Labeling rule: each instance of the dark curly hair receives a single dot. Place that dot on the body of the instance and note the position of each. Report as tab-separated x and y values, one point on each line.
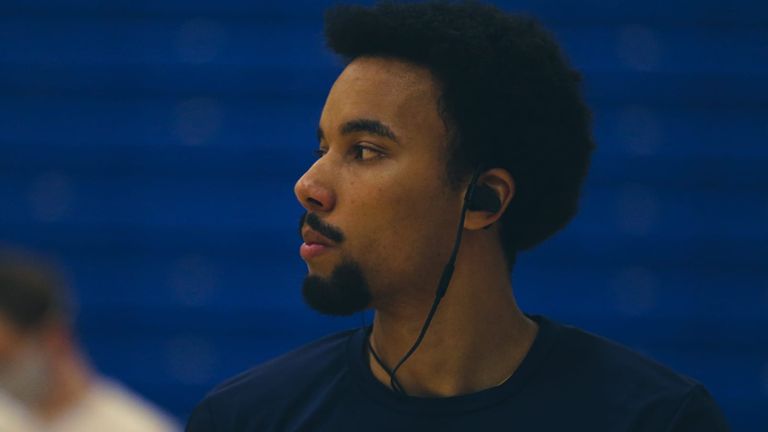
508	98
32	291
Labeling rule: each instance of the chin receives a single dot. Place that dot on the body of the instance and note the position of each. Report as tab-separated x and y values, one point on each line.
321	270
343	292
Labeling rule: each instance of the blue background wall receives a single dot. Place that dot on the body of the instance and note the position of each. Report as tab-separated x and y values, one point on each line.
152	148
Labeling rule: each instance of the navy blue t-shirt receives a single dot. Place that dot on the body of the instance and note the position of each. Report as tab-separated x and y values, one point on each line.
570	380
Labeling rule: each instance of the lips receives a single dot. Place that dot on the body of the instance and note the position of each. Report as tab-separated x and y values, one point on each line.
315	244
313	237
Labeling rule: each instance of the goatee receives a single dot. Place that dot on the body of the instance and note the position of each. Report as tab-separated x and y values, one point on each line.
343	293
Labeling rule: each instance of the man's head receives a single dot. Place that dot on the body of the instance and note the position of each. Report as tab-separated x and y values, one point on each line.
33	314
430	92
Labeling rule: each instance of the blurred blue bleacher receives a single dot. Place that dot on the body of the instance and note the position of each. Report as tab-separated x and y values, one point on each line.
152	148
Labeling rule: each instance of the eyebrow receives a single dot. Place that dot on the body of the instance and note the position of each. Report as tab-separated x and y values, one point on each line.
374	127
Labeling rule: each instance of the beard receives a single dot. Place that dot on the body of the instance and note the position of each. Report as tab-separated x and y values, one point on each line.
343	293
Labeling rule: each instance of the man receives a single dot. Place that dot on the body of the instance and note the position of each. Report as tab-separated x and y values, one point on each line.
446	117
46	385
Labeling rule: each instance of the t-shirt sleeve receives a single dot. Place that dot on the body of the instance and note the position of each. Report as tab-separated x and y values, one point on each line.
201	419
699	413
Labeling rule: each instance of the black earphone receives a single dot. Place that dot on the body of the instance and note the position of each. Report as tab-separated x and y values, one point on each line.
477	197
484	199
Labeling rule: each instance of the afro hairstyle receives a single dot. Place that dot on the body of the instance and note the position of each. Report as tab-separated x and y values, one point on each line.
508	97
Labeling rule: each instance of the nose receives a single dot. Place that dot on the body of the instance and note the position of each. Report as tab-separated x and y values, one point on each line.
313	193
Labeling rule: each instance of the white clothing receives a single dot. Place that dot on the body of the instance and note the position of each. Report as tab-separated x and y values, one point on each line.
107	406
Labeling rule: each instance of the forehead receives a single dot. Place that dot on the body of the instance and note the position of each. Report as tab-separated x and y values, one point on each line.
400	94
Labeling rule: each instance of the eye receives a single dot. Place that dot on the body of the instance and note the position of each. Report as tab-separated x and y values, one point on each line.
365	154
319	153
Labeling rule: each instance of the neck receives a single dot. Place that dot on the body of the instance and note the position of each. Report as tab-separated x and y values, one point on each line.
70	382
478	336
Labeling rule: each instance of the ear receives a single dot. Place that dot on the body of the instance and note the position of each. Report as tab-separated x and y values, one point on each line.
500	181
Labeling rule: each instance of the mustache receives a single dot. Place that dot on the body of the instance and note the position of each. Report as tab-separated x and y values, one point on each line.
314	222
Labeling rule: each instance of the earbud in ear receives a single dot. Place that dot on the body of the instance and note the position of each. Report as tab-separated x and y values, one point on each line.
484	198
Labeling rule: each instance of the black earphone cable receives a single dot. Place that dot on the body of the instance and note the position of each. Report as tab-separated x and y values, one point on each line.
442	287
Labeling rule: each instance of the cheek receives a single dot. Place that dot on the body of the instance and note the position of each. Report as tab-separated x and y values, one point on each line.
10	343
400	226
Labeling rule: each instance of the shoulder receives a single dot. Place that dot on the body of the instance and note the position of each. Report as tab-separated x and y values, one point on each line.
268	386
604	360
294	367
111	406
603	373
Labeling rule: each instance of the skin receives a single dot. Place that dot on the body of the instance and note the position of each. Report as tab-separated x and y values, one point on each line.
399	215
70	374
